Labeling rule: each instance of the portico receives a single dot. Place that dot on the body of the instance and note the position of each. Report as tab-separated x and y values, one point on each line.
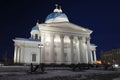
65	48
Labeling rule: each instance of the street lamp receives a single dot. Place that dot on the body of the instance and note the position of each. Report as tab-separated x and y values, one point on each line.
40	46
41	64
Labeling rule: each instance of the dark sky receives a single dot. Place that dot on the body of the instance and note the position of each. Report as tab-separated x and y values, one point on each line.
17	17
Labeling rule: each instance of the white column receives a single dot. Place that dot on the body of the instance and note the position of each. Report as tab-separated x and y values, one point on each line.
94	56
91	55
84	52
71	50
22	54
52	48
79	51
42	49
62	48
15	54
18	54
89	51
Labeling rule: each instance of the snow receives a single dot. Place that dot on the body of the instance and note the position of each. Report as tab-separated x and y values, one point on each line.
21	73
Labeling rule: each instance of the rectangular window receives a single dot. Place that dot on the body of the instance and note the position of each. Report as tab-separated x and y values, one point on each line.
36	36
33	57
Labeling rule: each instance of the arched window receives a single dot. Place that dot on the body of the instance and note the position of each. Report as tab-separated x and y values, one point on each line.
36	36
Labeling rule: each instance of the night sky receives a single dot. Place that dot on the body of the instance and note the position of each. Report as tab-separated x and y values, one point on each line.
17	17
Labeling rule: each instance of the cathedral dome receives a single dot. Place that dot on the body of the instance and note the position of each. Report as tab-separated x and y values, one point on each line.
56	16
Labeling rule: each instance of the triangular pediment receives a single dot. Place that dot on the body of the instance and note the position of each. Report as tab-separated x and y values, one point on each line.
65	27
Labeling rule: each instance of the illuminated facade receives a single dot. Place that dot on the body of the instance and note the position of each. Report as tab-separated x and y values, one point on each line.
56	41
111	57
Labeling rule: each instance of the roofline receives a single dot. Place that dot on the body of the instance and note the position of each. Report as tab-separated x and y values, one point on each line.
25	39
89	31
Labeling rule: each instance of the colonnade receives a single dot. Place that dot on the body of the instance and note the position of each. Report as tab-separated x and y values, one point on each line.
84	55
17	52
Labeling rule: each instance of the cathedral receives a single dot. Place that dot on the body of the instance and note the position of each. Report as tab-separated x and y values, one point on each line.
57	41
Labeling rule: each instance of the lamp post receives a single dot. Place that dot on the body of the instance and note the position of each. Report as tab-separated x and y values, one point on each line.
40	46
41	64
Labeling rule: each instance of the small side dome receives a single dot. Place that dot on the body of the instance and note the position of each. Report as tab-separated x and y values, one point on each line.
36	27
35	34
56	16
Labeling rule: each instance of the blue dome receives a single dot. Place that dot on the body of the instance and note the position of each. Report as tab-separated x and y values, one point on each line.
35	28
56	17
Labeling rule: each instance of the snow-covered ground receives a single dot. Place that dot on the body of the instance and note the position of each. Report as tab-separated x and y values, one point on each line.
22	73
